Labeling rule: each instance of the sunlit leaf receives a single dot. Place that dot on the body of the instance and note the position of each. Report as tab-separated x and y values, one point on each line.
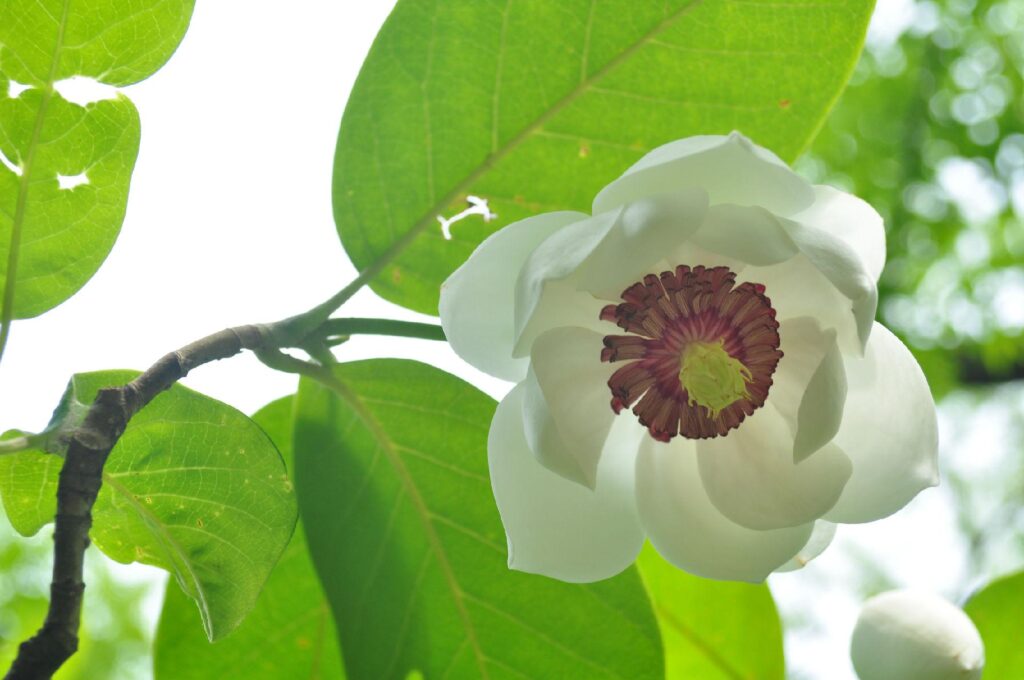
535	106
713	630
391	469
65	167
193	486
290	632
996	611
64	234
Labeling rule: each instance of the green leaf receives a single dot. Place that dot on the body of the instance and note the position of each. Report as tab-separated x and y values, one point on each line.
193	487
118	42
713	630
52	240
61	236
391	470
290	632
996	611
28	487
537	105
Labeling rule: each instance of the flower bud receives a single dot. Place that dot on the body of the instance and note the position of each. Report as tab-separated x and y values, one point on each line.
912	635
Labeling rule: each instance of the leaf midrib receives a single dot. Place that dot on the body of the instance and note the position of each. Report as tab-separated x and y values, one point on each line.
532	128
427	519
705	648
170	542
7	310
364	414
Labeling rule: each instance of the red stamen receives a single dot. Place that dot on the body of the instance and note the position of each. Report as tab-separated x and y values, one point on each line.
662	314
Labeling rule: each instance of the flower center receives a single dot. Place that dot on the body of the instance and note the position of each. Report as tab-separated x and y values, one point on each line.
701	351
712	377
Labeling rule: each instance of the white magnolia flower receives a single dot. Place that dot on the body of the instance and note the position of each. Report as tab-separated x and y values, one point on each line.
729	305
908	635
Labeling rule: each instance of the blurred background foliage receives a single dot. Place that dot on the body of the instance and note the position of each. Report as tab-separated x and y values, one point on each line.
119	609
931	133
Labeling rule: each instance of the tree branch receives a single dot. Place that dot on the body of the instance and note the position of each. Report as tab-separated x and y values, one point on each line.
90	444
81	476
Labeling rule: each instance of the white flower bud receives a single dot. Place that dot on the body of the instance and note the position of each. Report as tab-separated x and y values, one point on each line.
912	635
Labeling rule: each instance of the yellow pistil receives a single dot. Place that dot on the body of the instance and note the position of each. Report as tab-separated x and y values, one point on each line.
712	377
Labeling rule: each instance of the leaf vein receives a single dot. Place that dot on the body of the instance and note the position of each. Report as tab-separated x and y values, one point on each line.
483	540
416	453
544	637
412	490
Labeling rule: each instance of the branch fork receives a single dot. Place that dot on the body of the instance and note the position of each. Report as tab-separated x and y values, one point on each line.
91	442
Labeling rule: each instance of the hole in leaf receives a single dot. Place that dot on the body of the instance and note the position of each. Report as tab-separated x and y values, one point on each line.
476	206
14	88
16	169
82	90
72	181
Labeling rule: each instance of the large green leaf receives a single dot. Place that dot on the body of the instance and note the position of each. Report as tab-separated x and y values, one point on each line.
996	611
391	470
537	105
713	630
290	633
52	240
193	486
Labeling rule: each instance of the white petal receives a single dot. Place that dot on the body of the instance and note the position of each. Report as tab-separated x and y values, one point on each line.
645	231
889	431
477	300
796	288
864	310
809	385
732	169
915	635
560	304
820	539
543	275
556	527
852	220
689	531
750	234
821	408
543	437
691	254
751	477
842	266
573	386
578	268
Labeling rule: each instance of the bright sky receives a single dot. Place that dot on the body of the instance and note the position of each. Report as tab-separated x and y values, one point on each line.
229	222
229	216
